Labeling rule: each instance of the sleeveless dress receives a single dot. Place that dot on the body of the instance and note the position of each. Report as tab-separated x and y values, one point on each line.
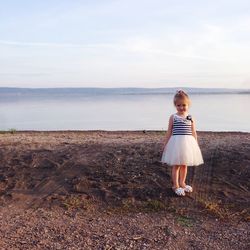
182	148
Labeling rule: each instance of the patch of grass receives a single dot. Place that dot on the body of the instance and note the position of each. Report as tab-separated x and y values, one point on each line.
153	206
128	204
76	202
214	208
162	132
12	130
224	211
185	221
132	205
244	214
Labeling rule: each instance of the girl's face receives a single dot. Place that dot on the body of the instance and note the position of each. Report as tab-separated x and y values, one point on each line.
181	106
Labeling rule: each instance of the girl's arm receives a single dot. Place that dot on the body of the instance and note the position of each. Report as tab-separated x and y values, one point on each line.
169	132
194	129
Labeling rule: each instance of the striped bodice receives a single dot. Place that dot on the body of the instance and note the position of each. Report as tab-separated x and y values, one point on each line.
181	126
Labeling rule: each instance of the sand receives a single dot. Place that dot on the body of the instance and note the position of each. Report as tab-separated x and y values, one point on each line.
108	190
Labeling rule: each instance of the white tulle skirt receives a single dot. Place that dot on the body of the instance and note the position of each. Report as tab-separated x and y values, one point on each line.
182	150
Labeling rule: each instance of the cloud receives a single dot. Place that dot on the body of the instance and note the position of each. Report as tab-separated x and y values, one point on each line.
126	41
134	45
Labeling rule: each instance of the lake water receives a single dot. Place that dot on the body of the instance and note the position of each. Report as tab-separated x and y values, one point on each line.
213	112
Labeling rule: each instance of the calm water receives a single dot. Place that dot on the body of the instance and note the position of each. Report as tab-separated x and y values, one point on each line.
218	112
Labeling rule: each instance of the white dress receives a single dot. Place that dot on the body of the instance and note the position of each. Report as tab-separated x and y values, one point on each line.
182	148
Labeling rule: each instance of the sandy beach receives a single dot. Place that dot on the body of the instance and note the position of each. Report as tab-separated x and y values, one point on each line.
108	190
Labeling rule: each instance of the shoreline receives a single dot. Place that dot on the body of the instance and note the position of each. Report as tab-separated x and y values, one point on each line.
111	131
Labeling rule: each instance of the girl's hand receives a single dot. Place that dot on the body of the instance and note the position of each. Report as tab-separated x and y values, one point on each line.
194	130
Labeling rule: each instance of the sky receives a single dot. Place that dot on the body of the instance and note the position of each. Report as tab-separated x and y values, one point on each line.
125	43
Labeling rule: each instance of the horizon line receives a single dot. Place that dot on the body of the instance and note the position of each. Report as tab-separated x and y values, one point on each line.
1	87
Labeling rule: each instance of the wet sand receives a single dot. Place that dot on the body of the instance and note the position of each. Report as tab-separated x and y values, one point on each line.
104	178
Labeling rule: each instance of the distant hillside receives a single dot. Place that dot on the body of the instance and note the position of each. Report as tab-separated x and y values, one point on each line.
112	91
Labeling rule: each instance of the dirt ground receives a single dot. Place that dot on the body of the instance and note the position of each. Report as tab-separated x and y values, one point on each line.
108	190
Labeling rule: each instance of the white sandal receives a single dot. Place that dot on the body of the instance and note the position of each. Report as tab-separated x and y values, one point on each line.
179	191
188	189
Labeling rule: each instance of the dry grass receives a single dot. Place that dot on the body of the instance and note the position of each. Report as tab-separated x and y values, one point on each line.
217	209
76	202
132	205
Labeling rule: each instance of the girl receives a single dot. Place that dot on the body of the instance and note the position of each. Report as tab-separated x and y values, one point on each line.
180	145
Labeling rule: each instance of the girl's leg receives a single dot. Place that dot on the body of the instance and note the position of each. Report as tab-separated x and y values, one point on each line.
183	175
175	176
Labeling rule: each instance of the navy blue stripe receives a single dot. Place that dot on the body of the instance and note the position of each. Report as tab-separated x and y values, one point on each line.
181	125
189	128
182	131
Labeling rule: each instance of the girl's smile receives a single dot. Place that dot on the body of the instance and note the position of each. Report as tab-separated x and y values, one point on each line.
181	106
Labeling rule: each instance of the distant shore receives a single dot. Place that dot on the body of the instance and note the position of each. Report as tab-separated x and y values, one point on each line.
6	92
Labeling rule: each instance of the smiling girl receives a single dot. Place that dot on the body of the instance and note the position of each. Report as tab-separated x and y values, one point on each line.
180	145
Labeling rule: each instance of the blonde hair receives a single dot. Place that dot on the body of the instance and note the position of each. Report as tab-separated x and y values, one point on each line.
181	95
